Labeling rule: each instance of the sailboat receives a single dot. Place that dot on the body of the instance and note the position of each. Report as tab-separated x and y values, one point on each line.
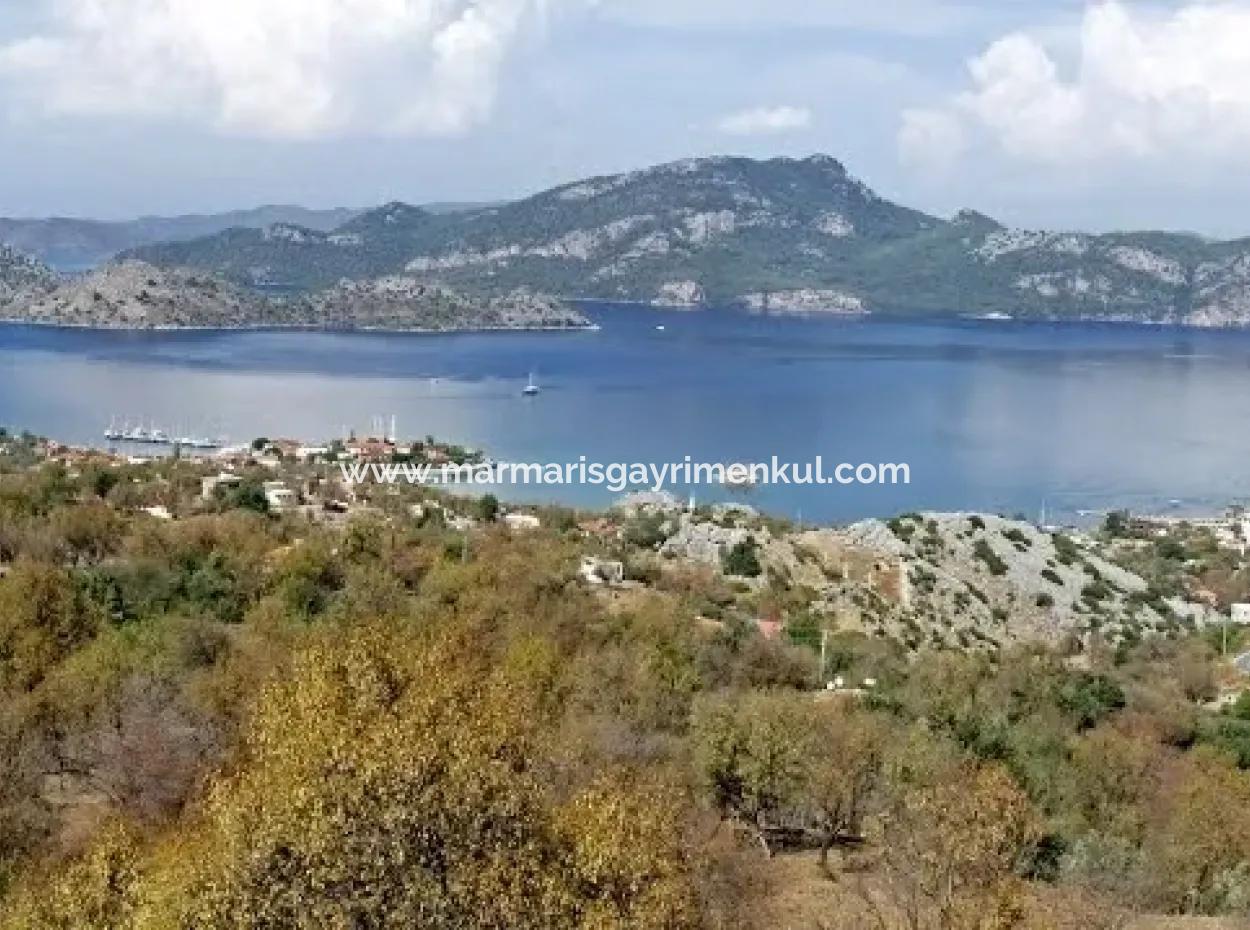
532	389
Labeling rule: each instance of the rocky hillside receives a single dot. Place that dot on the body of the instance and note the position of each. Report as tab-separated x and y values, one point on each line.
777	236
730	225
22	277
933	580
973	580
72	244
136	295
408	303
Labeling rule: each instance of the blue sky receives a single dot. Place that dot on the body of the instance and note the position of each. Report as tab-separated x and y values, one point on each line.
1060	114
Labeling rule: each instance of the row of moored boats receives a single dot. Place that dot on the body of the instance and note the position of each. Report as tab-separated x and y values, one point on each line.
153	435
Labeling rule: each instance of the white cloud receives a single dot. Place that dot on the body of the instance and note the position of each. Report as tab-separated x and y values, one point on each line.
275	68
1146	85
899	17
763	121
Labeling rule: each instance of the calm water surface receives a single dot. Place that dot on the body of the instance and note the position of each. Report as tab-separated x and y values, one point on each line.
992	416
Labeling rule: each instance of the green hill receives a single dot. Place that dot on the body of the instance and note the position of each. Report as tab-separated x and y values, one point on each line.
780	234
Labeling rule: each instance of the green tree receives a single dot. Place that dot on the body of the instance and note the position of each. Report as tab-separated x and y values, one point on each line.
742	560
487	508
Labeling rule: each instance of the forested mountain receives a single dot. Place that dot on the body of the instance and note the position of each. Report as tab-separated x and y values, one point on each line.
779	235
72	244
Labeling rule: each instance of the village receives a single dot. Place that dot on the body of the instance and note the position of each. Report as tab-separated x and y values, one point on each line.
934	581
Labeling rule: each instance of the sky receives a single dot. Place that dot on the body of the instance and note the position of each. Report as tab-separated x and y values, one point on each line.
1044	114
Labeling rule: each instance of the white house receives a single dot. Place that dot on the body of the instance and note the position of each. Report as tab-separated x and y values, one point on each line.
278	496
519	522
209	486
1241	614
599	571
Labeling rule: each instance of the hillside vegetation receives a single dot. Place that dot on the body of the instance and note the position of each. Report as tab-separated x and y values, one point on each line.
136	295
779	235
215	716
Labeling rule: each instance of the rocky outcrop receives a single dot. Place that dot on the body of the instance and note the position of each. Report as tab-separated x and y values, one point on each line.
982	580
408	303
135	295
807	300
680	295
22	277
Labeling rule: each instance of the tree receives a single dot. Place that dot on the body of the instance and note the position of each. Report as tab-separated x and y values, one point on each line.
1199	849
778	763
487	508
388	782
951	851
742	560
846	775
44	616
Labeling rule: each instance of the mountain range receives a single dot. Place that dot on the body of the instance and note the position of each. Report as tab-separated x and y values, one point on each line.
779	235
70	244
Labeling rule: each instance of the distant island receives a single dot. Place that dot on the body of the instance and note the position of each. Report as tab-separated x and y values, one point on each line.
135	295
779	236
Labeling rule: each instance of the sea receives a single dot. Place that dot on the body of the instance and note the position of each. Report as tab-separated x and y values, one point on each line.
1058	422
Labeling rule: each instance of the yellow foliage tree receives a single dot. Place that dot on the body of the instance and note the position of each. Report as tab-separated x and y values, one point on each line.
393	780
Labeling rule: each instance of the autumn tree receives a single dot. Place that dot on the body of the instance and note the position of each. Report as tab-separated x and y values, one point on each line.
393	780
44	616
951	852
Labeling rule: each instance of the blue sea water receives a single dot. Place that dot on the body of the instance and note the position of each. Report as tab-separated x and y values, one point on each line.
999	416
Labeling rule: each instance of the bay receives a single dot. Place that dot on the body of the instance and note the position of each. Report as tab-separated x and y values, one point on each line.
989	415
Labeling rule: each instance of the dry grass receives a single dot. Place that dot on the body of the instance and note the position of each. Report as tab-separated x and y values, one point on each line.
792	892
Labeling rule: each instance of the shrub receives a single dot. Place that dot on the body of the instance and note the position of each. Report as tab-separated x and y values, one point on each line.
986	554
742	560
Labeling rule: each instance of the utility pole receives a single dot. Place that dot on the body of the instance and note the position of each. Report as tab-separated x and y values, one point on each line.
824	656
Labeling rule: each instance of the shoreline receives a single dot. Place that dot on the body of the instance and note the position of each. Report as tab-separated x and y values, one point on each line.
994	318
589	327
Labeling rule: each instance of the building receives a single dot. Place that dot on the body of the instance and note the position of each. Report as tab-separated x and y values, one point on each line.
209	486
1241	614
601	571
521	522
370	450
278	496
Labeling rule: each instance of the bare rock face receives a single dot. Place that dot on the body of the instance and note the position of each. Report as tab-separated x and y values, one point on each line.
680	294
807	300
135	295
22	277
978	580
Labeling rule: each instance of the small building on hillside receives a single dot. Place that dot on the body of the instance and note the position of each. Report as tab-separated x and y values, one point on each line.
209	486
1241	614
278	496
521	522
601	571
